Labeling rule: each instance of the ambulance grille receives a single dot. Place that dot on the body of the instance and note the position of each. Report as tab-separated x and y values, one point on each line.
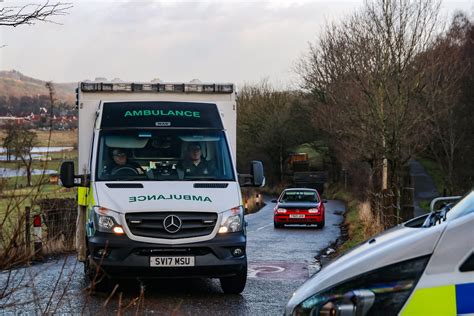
179	224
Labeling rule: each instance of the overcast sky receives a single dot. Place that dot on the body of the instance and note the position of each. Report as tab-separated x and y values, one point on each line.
231	41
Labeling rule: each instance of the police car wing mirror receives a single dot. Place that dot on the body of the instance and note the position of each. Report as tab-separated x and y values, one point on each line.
354	303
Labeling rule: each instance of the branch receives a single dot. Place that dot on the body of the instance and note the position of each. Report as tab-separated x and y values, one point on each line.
29	14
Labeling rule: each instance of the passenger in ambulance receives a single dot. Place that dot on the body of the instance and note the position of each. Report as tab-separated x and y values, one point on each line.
194	163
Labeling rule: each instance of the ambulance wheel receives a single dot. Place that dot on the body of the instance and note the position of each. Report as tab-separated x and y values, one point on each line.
235	284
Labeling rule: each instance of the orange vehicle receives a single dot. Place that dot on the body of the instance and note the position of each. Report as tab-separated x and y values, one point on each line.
304	175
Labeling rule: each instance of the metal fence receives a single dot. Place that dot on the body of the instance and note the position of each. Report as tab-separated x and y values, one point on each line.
37	231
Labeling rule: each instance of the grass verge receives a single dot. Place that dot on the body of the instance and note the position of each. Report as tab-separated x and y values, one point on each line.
425	205
252	200
358	218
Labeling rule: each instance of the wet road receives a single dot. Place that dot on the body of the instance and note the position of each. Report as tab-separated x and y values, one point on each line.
425	189
280	260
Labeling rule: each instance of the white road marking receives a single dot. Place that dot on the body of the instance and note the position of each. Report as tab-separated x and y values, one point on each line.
253	272
260	228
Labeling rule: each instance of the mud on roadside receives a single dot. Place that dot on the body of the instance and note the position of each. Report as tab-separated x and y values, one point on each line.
331	252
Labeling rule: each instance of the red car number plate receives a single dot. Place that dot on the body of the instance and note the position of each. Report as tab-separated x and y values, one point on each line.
296	215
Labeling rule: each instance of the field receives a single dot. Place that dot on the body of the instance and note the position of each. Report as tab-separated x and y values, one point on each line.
58	138
14	192
52	161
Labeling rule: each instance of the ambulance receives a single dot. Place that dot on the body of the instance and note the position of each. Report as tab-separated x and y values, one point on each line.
158	190
422	267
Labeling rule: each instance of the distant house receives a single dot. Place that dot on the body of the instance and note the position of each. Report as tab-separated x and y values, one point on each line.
11	119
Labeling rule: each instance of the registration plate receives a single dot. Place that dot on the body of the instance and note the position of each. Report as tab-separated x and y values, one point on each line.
296	215
172	261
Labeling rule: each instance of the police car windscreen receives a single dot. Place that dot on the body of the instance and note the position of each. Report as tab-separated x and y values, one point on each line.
160	114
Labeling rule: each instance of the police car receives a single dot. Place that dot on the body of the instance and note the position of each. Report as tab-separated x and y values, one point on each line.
422	267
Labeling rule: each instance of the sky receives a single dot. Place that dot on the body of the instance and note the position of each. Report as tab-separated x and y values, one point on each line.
175	41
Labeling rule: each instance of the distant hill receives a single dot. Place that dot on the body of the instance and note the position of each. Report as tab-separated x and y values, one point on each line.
13	83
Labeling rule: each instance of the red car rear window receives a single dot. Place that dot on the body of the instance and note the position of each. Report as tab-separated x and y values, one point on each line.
300	196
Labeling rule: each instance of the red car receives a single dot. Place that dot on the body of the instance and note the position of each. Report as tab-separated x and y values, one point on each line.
299	206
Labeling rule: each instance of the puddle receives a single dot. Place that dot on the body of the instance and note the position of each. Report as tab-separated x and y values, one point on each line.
9	172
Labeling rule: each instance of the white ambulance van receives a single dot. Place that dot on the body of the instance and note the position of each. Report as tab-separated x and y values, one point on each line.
158	191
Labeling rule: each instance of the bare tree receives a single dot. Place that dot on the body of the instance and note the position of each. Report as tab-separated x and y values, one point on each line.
23	142
448	120
8	139
363	74
31	13
270	123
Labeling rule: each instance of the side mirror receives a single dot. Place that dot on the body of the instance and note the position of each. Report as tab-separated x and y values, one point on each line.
325	201
67	174
255	178
258	179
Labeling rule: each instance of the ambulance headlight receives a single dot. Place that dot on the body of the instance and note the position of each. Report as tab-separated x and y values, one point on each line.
232	220
378	292
106	220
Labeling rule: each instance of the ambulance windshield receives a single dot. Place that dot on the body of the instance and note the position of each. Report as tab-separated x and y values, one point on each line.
163	155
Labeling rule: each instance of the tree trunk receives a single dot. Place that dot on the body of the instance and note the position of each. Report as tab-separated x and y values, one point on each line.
28	175
281	164
28	164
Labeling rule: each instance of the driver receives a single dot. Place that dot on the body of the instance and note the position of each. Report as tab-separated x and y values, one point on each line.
120	159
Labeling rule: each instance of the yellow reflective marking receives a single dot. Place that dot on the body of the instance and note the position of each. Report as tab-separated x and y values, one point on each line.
82	196
90	197
85	196
432	301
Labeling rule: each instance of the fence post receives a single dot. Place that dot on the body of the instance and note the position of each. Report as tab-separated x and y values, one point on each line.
27	232
38	236
246	201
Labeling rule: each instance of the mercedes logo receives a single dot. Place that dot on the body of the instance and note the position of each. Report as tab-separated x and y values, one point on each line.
172	224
